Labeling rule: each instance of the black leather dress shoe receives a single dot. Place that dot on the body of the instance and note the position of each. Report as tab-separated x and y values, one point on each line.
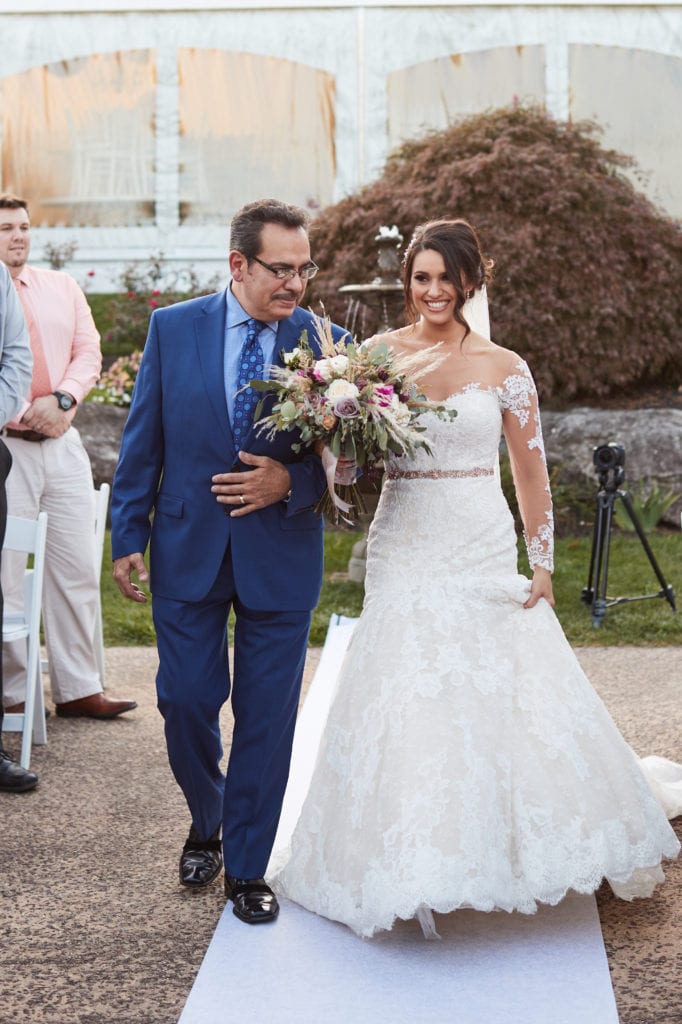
254	901
14	778
201	859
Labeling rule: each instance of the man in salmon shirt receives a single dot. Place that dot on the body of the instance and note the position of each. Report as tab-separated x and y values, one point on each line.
51	472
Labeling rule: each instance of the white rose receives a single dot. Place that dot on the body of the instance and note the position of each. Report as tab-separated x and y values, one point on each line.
339	364
342	389
324	369
290	356
399	411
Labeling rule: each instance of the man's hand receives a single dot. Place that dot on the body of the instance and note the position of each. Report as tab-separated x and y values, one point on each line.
124	568
44	415
264	485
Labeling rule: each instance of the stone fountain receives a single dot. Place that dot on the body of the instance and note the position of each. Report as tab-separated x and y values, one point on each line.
383	293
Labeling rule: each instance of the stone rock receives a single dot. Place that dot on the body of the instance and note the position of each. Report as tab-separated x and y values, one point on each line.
652	439
358	561
100	427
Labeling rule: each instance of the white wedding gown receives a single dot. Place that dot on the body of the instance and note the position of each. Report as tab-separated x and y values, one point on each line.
467	761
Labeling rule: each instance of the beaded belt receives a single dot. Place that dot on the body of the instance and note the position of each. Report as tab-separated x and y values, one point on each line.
437	474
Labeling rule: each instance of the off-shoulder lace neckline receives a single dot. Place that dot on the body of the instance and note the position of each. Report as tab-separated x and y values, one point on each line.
475	387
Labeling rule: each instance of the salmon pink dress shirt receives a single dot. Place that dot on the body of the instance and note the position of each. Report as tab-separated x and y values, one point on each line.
67	331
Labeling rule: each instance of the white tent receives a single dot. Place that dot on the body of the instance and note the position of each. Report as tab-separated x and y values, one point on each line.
139	127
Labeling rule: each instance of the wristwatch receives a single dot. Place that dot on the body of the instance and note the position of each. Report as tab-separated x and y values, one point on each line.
66	402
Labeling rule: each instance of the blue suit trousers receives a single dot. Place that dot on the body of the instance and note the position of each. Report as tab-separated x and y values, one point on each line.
193	683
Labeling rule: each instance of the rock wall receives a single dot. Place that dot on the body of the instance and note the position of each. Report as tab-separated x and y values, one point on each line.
652	439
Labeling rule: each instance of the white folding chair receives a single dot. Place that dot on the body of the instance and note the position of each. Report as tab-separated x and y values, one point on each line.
28	536
101	509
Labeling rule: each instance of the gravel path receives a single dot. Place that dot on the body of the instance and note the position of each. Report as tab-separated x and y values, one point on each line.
97	929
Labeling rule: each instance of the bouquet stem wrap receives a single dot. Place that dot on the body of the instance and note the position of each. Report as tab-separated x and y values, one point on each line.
332	505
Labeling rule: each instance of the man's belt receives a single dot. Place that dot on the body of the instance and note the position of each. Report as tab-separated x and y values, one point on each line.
25	435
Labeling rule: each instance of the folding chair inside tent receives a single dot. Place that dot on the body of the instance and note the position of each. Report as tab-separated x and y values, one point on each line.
28	536
101	509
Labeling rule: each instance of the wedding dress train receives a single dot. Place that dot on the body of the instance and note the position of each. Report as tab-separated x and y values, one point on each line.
466	760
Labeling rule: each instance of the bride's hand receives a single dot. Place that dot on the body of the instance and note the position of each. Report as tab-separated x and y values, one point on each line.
541	586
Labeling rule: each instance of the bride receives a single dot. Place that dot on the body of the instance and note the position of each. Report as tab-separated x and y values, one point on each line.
466	760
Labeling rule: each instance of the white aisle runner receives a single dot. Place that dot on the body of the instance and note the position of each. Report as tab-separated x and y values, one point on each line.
497	968
487	969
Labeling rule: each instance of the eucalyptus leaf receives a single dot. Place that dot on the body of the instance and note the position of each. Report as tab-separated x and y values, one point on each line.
288	410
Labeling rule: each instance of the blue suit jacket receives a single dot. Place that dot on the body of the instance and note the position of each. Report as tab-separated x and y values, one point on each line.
176	437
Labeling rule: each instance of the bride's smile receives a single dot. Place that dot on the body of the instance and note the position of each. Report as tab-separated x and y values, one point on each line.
433	294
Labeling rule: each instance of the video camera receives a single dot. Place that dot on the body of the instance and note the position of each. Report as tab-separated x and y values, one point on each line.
609	462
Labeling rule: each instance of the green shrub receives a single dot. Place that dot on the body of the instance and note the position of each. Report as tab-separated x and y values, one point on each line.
649	503
588	282
145	287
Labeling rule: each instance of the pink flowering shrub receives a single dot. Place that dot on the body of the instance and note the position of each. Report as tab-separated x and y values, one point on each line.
115	386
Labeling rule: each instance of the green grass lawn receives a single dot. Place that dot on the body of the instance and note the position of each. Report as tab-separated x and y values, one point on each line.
645	623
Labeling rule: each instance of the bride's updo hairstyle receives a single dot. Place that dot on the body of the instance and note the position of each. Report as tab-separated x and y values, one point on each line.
465	265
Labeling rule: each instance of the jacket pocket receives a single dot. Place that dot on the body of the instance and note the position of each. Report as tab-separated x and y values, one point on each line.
306	519
167	505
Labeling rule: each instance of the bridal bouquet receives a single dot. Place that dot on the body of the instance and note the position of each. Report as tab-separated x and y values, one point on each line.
360	402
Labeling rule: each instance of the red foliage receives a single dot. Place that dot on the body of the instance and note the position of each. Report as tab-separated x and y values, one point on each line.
588	279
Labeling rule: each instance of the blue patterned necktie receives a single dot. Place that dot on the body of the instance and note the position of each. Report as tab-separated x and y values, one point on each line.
251	366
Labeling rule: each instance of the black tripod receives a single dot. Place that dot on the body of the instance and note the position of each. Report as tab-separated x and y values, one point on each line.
609	460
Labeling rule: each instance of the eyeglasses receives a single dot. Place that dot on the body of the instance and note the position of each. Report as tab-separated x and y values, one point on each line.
306	273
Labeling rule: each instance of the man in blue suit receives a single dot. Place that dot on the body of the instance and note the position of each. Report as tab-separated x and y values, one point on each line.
230	519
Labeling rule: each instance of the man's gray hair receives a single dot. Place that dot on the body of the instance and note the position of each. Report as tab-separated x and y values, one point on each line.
247	224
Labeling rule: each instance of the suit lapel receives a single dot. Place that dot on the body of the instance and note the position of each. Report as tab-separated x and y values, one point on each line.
209	333
288	335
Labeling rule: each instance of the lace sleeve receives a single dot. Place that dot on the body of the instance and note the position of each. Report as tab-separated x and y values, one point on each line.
523	434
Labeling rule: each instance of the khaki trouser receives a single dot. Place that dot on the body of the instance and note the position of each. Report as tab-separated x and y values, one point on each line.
55	476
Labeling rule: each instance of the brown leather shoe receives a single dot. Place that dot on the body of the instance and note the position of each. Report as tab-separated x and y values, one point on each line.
94	706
